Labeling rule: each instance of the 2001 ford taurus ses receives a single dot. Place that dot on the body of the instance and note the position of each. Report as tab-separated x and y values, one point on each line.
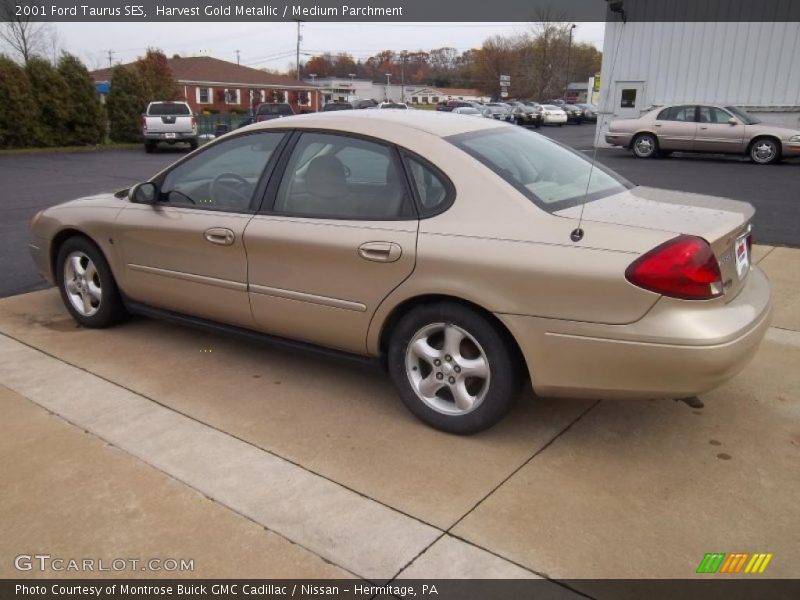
465	253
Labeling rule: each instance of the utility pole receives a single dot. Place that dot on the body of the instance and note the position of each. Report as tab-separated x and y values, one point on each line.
388	76
110	55
403	77
299	37
569	52
237	56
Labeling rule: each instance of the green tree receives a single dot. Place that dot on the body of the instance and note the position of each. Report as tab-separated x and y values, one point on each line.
86	120
18	114
127	100
159	84
51	95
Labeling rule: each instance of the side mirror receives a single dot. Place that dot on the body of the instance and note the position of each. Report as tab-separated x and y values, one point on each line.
732	121
144	193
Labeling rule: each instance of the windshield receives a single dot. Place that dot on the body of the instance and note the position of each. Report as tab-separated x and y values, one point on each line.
742	115
158	110
549	174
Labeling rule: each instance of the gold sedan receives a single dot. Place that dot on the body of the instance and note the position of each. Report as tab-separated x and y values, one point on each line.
465	254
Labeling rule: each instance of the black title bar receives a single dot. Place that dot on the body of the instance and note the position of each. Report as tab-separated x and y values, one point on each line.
401	10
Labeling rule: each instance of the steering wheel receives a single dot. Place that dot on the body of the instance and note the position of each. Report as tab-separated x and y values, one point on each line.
222	183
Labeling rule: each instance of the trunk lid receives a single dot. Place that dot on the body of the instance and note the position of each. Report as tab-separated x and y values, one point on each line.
722	222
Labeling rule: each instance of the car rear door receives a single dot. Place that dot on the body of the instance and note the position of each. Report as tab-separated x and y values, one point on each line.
675	127
715	132
186	253
336	235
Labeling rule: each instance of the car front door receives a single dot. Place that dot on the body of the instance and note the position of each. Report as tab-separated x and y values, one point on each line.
337	235
717	133
675	127
186	253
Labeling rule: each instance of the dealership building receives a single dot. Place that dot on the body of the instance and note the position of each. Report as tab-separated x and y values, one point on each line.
752	65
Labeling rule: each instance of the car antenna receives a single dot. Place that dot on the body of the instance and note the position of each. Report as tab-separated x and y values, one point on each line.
576	235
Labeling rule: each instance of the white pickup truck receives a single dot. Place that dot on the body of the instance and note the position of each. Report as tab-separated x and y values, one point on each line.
169	122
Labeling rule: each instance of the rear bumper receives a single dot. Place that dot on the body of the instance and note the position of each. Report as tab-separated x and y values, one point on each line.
178	137
677	350
618	139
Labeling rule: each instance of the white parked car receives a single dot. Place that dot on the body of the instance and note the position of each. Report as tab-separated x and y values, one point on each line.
467	110
553	115
170	123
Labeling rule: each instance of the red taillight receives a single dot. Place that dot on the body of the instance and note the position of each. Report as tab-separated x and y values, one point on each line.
194	122
144	123
684	267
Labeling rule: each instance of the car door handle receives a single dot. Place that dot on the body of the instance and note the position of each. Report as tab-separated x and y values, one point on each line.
380	251
658	124
220	235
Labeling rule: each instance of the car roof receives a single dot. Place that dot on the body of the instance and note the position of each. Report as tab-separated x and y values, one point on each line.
375	121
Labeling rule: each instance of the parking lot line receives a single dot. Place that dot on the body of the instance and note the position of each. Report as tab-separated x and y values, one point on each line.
351	531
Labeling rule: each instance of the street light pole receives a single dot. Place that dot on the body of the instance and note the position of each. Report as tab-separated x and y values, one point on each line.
569	53
388	76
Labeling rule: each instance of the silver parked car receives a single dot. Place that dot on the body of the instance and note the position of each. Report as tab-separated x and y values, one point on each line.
703	128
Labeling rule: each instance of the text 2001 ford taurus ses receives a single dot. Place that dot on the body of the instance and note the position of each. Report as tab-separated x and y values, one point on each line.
465	253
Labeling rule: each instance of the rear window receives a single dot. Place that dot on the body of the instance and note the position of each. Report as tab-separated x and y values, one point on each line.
160	110
275	109
551	175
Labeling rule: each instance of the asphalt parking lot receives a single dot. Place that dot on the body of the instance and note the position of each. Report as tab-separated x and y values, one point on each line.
31	182
155	440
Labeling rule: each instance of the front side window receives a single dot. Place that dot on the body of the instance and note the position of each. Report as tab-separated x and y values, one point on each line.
341	177
549	174
712	114
223	177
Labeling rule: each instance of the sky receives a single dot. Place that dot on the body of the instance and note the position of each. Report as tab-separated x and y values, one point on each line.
272	45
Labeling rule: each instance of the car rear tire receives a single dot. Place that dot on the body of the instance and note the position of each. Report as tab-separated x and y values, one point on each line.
87	286
453	368
149	147
645	145
193	145
765	151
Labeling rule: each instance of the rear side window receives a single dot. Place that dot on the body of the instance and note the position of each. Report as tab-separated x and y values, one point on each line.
340	177
677	113
159	110
432	191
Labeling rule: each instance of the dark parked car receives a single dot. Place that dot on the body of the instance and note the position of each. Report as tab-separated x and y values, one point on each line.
359	104
276	110
451	104
589	112
331	106
574	113
246	122
526	115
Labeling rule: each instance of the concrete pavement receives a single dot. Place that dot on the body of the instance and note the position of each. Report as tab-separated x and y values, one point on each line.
317	463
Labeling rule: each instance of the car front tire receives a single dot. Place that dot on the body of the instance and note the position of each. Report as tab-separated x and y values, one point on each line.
645	145
765	151
453	368
86	284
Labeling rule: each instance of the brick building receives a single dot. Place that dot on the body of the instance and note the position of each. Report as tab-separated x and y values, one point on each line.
211	85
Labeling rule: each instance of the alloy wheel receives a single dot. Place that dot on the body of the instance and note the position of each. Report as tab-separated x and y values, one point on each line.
447	368
82	283
764	151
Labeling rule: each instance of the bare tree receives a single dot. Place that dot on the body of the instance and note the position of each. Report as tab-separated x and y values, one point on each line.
25	37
